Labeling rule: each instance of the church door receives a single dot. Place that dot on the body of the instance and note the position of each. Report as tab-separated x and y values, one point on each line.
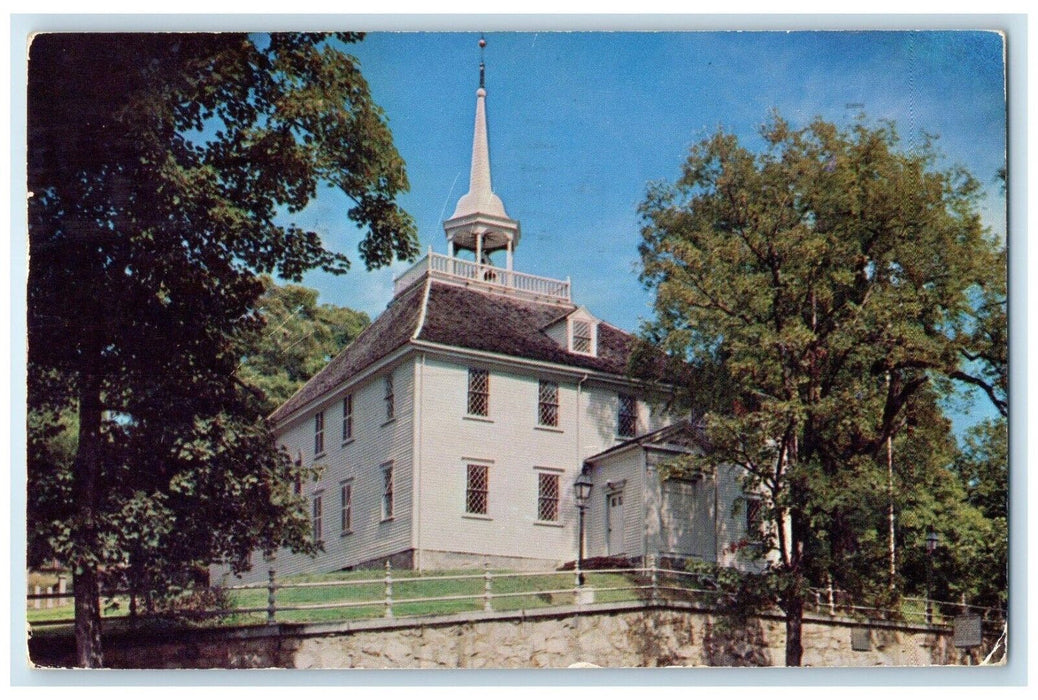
615	523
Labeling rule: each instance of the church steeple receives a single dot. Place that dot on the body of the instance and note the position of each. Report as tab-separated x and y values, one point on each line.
479	222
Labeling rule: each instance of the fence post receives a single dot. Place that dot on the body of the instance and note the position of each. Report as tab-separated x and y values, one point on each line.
389	591
62	588
655	573
487	606
271	598
36	601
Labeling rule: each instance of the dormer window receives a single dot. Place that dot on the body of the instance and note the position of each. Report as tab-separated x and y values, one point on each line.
582	337
576	332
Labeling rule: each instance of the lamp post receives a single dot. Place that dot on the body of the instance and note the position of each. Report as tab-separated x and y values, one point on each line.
931	545
581	491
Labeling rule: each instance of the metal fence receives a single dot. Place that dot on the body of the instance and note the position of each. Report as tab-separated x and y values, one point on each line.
400	594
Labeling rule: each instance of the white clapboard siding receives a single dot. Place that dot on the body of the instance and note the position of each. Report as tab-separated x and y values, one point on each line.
682	513
731	507
731	514
375	443
687	526
431	442
626	467
515	449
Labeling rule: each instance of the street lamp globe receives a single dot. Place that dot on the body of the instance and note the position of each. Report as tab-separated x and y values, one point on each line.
582	489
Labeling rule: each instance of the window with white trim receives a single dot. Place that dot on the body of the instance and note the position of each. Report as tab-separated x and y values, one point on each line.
547	496
318	433
387	491
477	489
346	506
347	417
479	392
626	416
754	518
317	521
582	337
547	403
388	397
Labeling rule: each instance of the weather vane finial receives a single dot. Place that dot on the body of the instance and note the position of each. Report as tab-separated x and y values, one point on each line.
482	67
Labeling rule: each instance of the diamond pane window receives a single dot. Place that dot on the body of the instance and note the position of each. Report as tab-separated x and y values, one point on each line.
387	492
347	417
548	497
582	341
754	520
346	506
318	433
390	411
318	517
626	416
479	392
548	403
476	488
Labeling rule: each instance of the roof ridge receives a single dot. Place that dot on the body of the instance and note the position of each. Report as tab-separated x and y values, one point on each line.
421	313
617	328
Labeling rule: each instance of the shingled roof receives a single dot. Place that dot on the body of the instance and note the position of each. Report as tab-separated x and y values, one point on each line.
687	434
513	326
463	317
391	329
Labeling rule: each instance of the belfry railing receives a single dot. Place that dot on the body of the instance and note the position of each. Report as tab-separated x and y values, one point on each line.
470	272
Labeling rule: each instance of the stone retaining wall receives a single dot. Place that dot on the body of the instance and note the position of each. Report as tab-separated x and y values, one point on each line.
609	635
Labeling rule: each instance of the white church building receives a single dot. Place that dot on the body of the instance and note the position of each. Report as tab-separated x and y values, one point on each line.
451	431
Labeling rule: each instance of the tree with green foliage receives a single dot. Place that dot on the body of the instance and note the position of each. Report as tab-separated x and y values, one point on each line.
983	467
300	337
164	172
833	277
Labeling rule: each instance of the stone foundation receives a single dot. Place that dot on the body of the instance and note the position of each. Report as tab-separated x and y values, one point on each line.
400	560
431	560
603	634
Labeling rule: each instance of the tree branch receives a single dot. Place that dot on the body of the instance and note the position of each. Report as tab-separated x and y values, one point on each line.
1000	404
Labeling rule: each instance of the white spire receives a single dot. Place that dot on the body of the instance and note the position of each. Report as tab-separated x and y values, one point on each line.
479	222
480	198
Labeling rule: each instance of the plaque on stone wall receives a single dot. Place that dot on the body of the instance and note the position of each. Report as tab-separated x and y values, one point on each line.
861	639
967	631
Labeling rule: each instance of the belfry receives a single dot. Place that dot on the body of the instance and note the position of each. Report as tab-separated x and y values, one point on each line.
479	223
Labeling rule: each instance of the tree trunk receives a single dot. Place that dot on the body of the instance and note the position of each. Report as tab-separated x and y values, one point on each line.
85	494
88	618
794	609
793	595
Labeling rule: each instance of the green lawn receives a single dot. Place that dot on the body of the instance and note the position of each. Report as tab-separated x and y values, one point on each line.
438	594
65	611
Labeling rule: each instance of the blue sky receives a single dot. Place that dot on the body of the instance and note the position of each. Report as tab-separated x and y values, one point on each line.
580	122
